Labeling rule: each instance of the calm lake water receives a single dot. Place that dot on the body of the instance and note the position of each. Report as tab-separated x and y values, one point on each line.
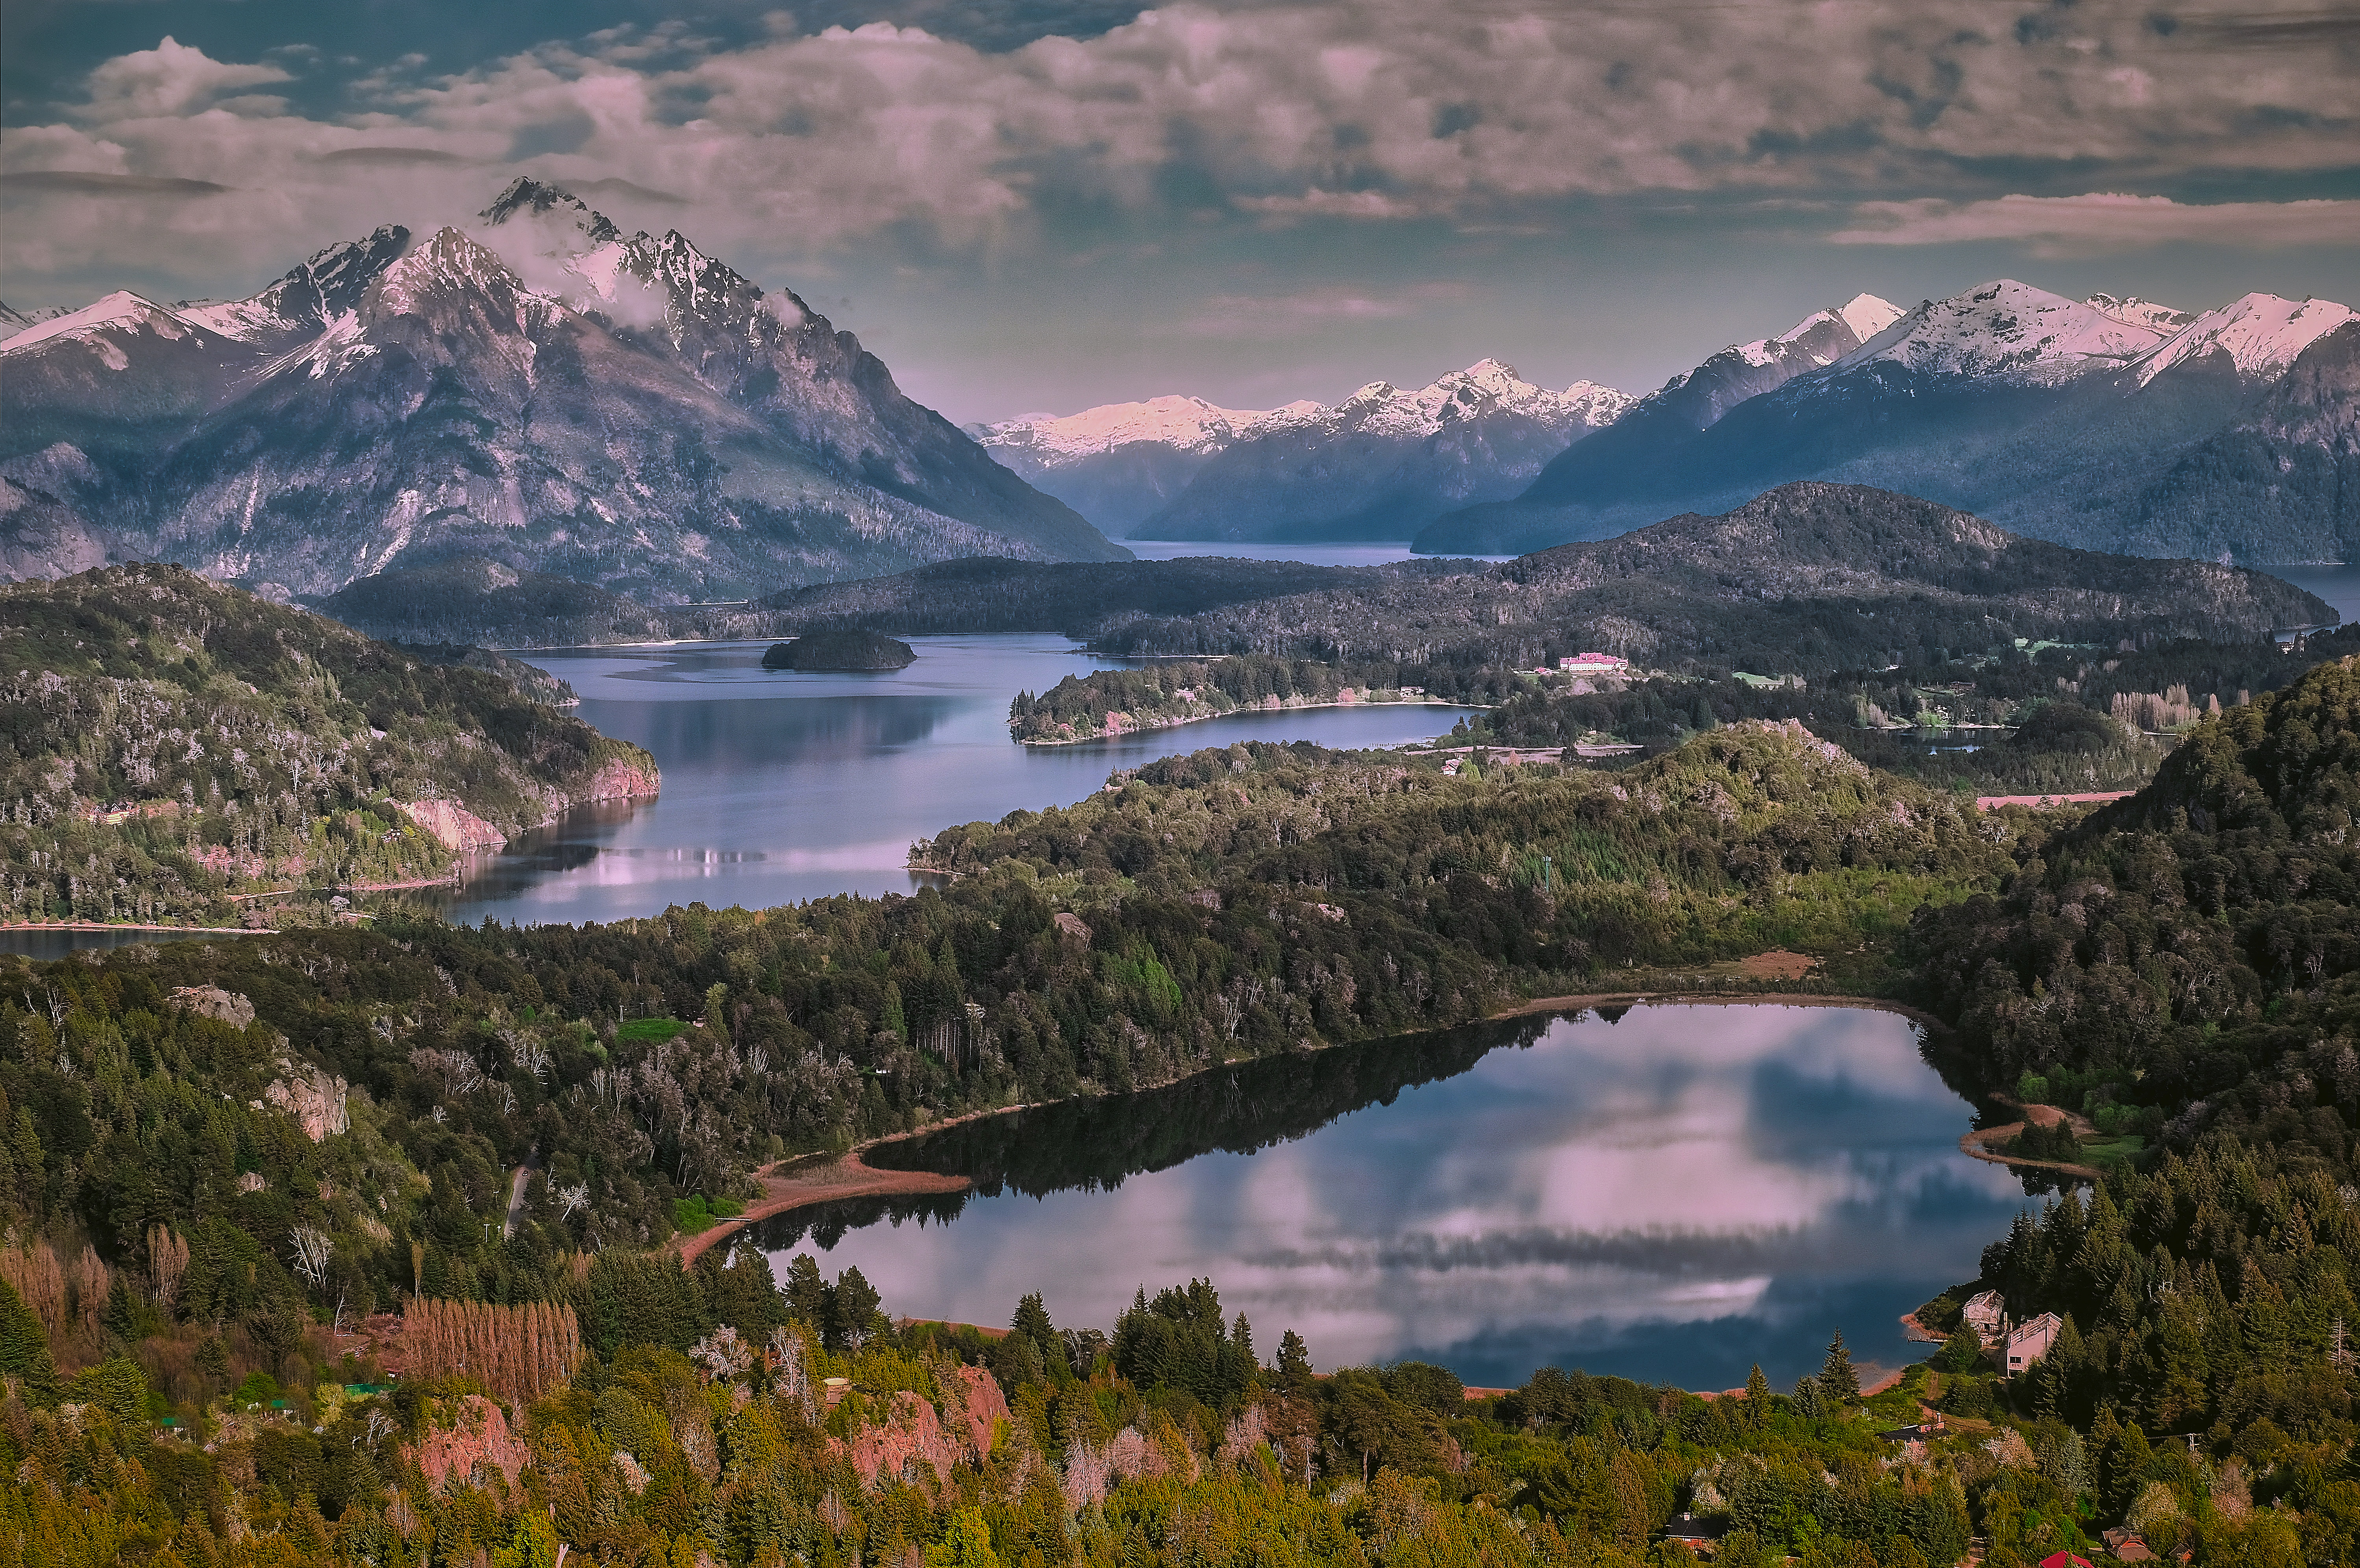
781	786
1674	1195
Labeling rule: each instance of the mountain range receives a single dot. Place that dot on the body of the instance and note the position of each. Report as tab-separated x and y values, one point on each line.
2103	423
536	389
1380	464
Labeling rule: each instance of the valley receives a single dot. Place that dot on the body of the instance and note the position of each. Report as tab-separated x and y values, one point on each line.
595	893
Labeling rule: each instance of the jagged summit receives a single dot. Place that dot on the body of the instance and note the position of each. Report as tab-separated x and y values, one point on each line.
534	387
2134	312
2008	330
527	195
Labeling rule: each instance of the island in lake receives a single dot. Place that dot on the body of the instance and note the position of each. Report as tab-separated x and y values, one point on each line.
1109	702
839	650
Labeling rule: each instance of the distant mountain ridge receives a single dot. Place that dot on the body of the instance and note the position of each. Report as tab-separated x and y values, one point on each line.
1803	578
1377	465
2108	424
540	389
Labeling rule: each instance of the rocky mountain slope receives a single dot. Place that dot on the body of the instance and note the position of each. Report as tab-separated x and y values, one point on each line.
173	741
1378	465
540	389
2101	423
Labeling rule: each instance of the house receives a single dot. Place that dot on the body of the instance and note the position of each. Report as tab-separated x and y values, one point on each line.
2028	1343
1985	1313
1594	664
1701	1536
2064	1560
2127	1545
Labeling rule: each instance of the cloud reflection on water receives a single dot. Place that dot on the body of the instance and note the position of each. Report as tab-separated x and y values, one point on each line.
1649	1197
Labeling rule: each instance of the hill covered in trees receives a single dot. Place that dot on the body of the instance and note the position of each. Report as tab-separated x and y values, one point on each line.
839	648
1166	694
255	1138
172	742
1804	579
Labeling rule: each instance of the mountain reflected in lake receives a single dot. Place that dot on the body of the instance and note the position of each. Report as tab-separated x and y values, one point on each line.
1672	1196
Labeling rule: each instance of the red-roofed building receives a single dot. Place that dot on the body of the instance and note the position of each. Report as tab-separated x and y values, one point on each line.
1594	664
2064	1560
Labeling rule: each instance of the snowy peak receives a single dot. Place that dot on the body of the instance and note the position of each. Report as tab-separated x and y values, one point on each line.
2261	333
311	294
549	207
1199	428
1823	336
450	266
1483	388
1181	424
2134	312
120	312
2008	330
13	321
1867	315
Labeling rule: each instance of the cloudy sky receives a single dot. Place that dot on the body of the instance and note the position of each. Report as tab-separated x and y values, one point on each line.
1028	204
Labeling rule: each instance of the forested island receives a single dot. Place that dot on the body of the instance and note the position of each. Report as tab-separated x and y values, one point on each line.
359	1244
839	648
1165	695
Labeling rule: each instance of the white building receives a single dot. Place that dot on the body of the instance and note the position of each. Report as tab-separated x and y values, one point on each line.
2028	1343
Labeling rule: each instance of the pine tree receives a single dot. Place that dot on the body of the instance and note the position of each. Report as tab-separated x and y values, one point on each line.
1031	1321
1293	1361
1838	1380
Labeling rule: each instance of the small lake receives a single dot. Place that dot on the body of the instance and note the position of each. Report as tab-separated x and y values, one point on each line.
781	786
1667	1192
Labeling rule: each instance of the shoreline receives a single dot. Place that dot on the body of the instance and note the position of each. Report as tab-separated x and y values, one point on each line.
1724	998
842	1176
1242	711
104	926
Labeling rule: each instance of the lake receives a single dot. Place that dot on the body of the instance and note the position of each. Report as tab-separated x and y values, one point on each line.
781	786
1667	1192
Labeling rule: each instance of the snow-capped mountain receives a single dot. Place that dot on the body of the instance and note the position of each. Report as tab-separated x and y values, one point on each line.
540	389
2009	331
1376	466
1656	429
1119	463
2258	336
2054	416
2283	481
1189	425
13	321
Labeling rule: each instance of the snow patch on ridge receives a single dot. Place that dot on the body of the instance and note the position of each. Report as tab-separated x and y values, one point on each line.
120	308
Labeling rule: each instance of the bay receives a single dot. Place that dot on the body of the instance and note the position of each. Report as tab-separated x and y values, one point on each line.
1673	1193
780	784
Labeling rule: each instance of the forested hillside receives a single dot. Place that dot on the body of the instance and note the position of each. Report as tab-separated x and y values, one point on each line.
2054	719
220	1153
172	742
1803	579
1159	696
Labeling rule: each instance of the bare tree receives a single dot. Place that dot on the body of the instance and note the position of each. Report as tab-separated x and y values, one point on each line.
312	1251
572	1200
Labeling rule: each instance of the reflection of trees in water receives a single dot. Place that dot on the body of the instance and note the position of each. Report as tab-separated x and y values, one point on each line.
826	1224
747	731
1096	1143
